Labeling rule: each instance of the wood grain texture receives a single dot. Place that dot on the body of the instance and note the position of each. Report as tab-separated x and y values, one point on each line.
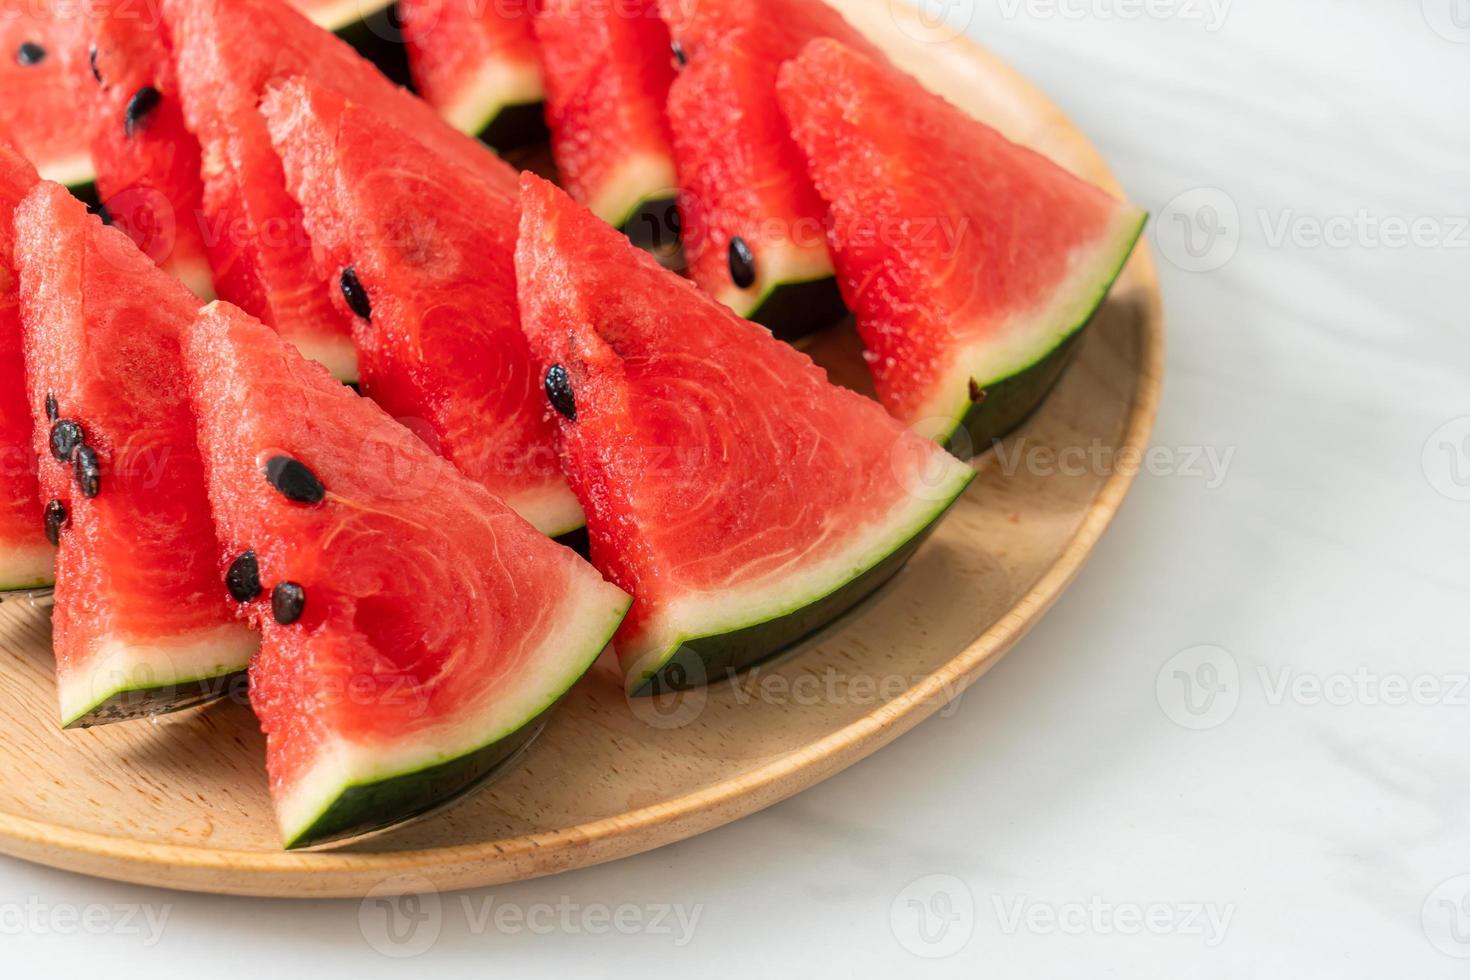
182	802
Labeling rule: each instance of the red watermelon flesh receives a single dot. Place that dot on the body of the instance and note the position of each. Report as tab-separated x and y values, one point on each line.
26	558
432	247
728	485
227	52
435	625
148	163
608	71
142	623
41	42
740	175
959	285
476	62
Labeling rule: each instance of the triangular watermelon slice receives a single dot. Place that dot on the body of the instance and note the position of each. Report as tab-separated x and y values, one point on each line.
26	557
142	622
427	249
752	223
608	72
968	292
41	41
415	629
147	162
227	52
742	498
475	61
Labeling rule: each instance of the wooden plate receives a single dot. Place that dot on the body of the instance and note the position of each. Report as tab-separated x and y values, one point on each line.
183	802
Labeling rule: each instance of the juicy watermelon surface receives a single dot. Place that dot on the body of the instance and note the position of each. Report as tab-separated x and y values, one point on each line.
740	174
433	248
141	621
959	285
476	62
728	484
26	557
147	163
608	70
41	41
227	52
437	625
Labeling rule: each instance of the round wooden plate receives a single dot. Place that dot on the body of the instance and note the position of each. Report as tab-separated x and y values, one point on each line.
182	802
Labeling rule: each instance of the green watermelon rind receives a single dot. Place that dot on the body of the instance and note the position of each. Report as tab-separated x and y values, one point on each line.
790	307
695	660
968	428
376	801
503	112
347	13
26	567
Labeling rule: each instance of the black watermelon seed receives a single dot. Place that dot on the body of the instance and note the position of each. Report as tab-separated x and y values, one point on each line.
56	518
742	263
356	296
295	480
92	60
243	578
66	436
287	601
89	472
51	410
977	393
143	102
680	58
559	392
30	53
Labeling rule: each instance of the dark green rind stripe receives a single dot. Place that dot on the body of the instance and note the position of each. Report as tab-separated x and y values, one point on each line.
363	809
794	309
699	661
379	38
148	702
516	126
653	225
1009	402
24	587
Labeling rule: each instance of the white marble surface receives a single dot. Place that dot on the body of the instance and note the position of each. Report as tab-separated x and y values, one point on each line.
1310	823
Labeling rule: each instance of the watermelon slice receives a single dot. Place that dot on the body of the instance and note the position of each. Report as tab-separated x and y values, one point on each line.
227	51
415	629
742	498
971	292
147	162
40	43
142	623
429	250
476	62
752	224
26	557
607	83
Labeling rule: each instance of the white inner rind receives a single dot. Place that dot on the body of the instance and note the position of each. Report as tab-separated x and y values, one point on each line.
27	566
335	16
197	275
1028	337
553	510
335	353
638	179
121	665
708	614
72	171
778	264
589	616
495	87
